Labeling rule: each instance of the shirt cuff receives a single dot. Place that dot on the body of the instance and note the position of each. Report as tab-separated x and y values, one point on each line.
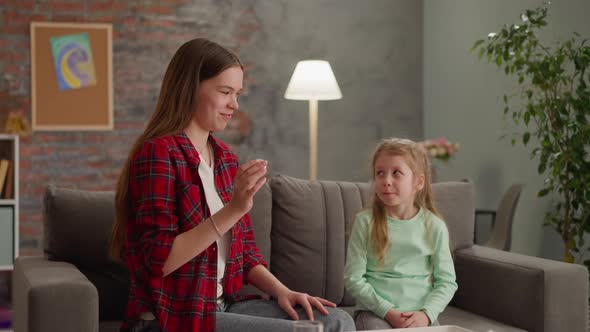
431	318
383	309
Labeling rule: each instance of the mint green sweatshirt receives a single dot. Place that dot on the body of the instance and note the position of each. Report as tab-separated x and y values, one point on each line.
404	281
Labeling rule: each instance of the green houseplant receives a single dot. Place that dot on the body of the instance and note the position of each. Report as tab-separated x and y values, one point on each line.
551	108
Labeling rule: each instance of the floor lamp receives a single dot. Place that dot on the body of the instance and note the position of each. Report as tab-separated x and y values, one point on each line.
313	80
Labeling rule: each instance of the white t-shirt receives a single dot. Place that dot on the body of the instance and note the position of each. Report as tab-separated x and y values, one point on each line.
215	204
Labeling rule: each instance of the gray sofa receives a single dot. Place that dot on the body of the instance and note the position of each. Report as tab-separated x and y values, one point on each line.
302	229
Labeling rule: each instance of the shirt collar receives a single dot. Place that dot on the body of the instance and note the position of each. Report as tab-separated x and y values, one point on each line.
220	150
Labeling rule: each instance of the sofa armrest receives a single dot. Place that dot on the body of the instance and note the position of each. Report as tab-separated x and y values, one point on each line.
527	292
52	296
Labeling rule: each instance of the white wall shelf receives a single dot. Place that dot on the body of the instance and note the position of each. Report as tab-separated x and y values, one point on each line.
9	199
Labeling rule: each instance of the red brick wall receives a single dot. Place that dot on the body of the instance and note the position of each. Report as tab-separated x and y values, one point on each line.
145	35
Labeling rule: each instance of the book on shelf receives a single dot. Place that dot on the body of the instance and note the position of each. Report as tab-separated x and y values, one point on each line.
7	193
4	163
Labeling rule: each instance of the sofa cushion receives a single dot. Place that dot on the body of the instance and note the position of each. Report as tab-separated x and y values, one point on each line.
311	220
455	316
77	226
456	202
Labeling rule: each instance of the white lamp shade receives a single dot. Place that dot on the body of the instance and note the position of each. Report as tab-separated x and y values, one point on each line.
313	79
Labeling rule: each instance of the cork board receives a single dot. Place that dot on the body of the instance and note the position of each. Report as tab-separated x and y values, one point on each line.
71	76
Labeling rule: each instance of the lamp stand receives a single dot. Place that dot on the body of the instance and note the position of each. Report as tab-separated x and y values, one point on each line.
313	138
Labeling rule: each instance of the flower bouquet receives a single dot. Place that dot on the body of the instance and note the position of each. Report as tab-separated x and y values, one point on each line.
440	148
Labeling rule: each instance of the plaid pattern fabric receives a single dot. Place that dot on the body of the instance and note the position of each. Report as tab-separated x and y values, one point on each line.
166	199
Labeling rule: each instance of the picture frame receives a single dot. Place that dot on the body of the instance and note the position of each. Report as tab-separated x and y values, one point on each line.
71	76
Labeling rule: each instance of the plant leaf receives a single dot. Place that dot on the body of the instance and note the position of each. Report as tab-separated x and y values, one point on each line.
476	44
526	137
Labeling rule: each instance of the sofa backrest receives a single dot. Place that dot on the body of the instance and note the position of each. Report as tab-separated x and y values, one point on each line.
301	227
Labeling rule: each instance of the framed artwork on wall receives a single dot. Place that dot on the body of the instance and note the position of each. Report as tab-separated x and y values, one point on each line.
71	76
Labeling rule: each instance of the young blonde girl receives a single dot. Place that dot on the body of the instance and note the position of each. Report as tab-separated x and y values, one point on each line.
399	266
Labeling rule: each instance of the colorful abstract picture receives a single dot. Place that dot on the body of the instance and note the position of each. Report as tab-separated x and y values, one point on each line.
73	61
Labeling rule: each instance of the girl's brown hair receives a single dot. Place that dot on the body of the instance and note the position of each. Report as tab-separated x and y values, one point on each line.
195	61
417	159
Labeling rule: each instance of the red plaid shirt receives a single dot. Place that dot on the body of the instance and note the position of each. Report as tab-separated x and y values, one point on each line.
166	199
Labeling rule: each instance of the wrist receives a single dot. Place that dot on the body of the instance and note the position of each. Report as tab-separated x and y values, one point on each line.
279	291
426	314
391	313
234	210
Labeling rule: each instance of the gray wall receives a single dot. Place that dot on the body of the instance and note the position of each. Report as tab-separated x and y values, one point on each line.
375	51
374	48
462	101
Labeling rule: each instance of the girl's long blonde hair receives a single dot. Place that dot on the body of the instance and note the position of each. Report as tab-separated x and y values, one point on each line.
195	61
417	159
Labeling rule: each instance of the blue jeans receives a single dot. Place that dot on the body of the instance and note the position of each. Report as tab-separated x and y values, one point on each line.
262	315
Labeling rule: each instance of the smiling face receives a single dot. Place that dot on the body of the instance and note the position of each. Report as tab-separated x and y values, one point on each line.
396	184
217	99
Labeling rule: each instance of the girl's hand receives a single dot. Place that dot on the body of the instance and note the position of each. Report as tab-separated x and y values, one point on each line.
288	299
395	318
248	180
415	319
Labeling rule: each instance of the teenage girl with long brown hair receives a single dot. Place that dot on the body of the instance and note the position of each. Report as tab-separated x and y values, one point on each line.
182	222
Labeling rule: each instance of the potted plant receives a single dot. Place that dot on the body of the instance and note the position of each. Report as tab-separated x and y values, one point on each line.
551	109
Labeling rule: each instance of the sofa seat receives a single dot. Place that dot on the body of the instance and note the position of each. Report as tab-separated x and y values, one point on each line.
451	316
471	321
465	319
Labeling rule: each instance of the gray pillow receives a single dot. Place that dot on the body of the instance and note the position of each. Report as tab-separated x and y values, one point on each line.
77	230
77	224
456	202
311	223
